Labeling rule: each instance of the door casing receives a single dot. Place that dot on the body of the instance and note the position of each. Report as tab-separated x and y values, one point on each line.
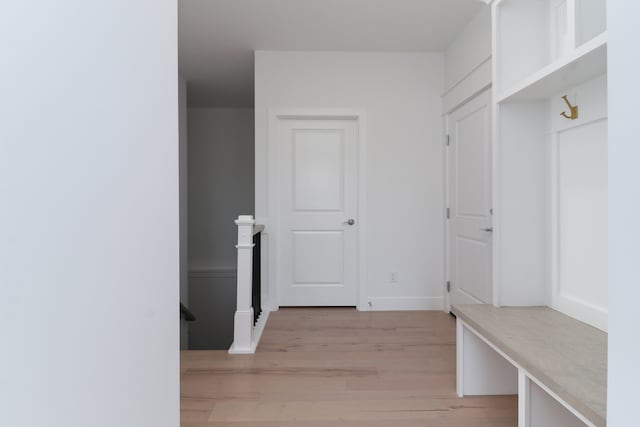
272	278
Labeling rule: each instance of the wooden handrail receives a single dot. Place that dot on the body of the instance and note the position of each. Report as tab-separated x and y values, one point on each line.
188	315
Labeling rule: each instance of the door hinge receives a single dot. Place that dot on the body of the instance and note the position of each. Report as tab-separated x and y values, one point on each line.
448	287
447	139
448	213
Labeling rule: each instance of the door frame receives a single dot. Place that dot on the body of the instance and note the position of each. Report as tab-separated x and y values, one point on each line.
272	225
447	199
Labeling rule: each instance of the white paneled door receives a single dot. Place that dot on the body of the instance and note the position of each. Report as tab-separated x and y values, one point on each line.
470	202
318	235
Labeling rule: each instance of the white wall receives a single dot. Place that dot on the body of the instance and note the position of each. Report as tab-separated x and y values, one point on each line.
467	61
221	158
400	93
89	250
624	204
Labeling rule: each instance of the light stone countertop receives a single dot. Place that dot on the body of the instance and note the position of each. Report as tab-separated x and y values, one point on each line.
566	355
258	228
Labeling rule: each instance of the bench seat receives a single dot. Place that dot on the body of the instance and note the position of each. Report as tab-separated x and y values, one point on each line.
568	357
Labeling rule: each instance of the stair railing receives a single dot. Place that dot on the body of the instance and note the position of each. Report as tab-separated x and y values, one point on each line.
249	320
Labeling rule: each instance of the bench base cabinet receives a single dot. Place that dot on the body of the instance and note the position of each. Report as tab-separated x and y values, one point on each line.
483	369
539	407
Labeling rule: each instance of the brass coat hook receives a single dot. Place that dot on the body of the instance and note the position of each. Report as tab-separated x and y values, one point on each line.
573	108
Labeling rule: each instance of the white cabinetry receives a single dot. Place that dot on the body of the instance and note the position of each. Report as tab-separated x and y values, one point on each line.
550	176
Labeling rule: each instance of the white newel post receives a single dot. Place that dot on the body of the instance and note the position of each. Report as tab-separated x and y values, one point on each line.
243	320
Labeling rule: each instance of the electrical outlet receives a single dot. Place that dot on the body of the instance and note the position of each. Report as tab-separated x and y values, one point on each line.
393	277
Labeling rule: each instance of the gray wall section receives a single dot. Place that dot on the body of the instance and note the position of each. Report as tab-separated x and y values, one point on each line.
220	187
213	300
221	183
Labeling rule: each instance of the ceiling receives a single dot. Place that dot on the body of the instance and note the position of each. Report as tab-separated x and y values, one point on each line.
217	37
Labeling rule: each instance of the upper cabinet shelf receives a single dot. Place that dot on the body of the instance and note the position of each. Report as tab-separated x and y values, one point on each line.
582	65
542	46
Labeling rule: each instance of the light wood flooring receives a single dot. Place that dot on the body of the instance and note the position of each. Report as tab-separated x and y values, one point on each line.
338	367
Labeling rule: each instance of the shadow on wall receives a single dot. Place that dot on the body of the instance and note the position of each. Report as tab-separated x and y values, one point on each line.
220	188
213	301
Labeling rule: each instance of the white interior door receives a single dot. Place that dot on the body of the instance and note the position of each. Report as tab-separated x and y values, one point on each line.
470	202
318	212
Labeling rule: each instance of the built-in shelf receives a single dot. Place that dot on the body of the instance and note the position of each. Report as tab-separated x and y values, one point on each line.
583	64
550	170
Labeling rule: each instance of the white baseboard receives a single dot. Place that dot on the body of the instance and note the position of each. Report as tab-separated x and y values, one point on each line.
256	334
582	311
258	329
406	303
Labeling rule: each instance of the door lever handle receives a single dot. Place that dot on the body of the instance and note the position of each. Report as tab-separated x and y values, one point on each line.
488	230
350	221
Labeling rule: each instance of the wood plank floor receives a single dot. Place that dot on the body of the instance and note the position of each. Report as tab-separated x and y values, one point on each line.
338	367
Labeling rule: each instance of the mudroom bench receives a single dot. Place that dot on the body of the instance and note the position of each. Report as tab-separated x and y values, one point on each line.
555	364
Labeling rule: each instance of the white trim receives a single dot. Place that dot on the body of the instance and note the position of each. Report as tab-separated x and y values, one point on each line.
271	201
258	329
459	358
265	269
446	305
524	399
242	332
273	192
468	88
246	246
584	311
572	23
363	293
406	303
243	321
466	76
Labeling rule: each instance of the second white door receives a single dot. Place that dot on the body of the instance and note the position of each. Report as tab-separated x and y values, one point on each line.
318	212
470	202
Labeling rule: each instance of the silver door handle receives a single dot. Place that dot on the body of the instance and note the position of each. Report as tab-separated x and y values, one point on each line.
488	230
350	221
